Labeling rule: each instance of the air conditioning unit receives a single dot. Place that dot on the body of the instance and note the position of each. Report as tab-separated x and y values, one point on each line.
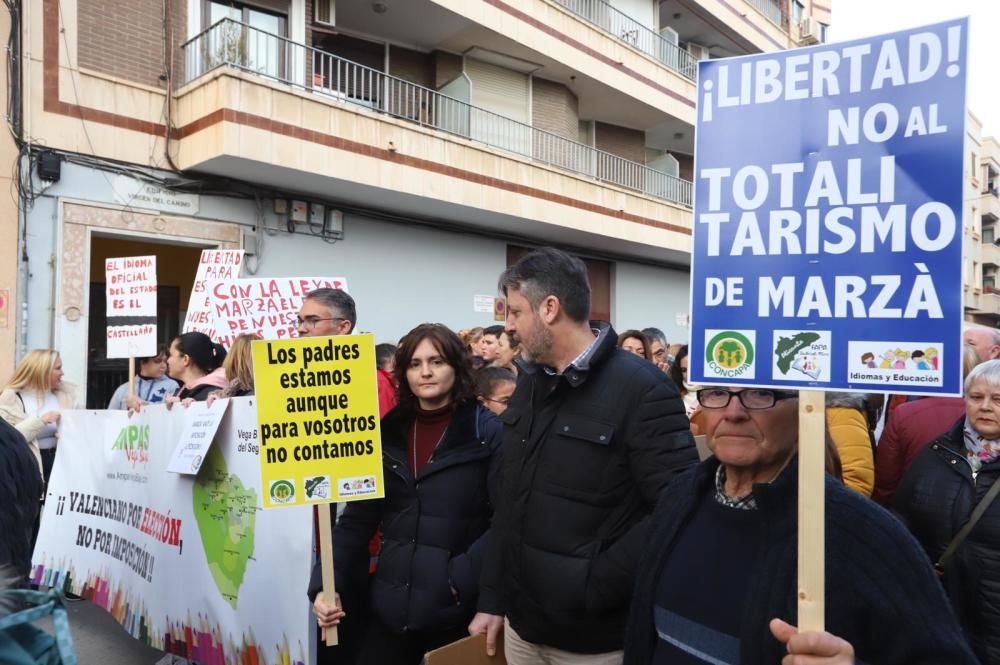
325	11
807	31
697	51
669	34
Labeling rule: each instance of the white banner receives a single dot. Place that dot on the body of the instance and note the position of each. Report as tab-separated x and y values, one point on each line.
191	565
264	306
215	265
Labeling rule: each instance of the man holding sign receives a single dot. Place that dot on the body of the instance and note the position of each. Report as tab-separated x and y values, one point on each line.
719	568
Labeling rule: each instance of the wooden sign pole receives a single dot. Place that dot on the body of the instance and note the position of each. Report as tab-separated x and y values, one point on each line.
131	376
326	562
812	516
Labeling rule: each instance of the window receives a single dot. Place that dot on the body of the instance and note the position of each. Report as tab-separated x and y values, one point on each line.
988	234
798	9
260	49
822	32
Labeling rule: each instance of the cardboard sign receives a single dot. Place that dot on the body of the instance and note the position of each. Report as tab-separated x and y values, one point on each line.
317	410
200	424
263	306
130	288
215	265
467	651
827	249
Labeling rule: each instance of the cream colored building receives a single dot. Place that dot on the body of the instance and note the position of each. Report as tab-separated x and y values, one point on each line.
982	210
416	147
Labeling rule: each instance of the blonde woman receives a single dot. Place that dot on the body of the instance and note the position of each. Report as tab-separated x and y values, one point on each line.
32	401
239	367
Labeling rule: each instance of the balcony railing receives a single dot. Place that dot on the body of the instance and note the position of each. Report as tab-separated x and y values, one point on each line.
772	10
637	35
234	44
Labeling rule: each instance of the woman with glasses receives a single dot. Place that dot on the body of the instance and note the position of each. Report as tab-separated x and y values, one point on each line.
441	454
717	580
948	480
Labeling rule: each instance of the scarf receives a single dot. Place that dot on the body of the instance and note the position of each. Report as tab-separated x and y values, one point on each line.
979	451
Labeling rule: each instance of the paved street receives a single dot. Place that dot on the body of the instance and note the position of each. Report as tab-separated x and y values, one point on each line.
99	640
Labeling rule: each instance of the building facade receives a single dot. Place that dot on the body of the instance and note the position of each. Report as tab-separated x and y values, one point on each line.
415	147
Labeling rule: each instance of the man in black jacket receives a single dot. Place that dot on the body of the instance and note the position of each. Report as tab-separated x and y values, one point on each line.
591	436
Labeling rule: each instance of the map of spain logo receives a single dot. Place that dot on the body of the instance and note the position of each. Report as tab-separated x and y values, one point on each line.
730	354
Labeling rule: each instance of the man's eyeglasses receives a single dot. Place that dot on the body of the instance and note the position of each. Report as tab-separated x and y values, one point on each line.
311	321
751	399
503	400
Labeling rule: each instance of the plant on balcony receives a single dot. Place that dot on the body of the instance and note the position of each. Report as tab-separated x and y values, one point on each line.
227	45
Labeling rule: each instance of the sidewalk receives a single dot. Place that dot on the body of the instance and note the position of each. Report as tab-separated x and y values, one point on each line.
99	640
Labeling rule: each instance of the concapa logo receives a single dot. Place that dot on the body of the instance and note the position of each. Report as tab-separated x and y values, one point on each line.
134	441
730	354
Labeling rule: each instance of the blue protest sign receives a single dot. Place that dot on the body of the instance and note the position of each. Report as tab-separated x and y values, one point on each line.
827	249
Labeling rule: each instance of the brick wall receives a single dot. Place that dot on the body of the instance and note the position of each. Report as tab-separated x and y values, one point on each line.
124	38
554	108
446	67
621	141
412	66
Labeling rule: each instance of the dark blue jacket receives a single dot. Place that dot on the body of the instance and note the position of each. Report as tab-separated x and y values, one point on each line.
881	593
434	526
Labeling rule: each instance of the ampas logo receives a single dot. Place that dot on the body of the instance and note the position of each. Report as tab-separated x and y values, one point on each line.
133	440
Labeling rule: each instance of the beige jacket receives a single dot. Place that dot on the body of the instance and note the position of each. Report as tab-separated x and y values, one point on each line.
12	410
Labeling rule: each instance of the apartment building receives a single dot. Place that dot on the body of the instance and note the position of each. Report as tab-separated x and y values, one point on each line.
982	234
415	147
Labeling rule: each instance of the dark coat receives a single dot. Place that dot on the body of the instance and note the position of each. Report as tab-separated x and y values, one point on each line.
881	593
434	526
585	455
936	498
912	426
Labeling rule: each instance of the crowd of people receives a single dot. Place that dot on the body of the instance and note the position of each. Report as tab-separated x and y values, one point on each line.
543	488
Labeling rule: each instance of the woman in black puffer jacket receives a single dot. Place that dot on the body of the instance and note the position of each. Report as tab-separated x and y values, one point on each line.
937	495
441	457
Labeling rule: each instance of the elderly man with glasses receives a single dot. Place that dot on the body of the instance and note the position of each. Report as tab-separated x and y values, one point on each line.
717	581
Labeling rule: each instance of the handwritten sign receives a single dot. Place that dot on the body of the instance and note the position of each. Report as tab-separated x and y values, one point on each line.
263	306
317	414
215	265
200	424
130	289
131	286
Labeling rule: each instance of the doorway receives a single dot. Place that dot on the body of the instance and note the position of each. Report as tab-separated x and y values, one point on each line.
176	266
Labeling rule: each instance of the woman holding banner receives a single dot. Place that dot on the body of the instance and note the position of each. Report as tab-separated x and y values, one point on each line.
441	456
196	361
32	401
717	579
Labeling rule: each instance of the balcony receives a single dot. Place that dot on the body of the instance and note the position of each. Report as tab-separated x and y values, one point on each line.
772	11
635	34
232	44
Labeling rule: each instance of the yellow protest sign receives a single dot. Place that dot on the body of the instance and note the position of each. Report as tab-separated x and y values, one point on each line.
317	418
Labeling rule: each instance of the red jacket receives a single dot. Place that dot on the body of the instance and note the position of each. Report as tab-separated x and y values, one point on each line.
911	427
386	393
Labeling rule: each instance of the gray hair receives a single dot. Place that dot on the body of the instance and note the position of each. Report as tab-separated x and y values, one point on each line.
994	333
655	335
338	301
988	372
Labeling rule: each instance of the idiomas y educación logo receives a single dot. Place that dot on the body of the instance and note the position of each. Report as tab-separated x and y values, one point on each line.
133	441
730	353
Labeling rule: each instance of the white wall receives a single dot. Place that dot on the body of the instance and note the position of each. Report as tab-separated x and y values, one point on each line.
399	275
644	296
